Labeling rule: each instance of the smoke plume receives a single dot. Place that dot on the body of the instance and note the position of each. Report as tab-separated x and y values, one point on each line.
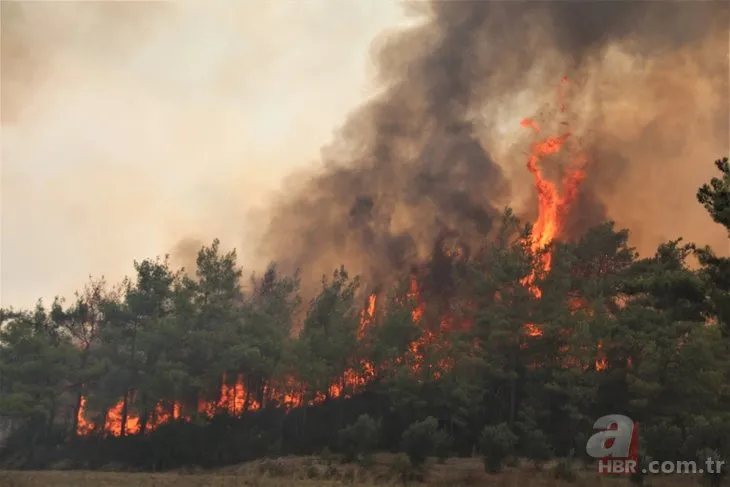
439	148
132	129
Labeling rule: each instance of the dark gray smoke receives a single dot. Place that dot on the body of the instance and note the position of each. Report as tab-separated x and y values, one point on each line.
429	154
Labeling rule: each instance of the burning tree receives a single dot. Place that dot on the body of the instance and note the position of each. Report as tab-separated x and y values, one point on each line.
464	338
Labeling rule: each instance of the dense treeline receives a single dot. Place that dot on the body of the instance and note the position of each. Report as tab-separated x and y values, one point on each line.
492	349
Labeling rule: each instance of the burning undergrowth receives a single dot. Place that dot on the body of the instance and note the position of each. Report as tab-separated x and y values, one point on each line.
416	178
431	298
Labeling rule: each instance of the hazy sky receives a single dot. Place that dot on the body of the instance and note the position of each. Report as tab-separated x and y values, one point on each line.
125	125
130	128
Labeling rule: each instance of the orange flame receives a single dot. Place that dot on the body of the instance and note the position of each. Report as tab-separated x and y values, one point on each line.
601	361
83	427
366	316
532	330
552	203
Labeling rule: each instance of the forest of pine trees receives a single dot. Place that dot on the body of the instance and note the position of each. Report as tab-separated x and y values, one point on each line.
475	352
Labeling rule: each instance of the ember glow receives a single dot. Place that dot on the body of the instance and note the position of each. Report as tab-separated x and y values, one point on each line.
601	362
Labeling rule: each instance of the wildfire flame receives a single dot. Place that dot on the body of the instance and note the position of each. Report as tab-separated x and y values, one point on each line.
366	316
601	361
553	203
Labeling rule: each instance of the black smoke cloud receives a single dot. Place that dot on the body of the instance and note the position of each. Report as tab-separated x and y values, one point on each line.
426	156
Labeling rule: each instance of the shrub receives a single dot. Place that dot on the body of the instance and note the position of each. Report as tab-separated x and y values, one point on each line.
366	461
564	469
442	445
497	443
273	468
326	456
421	439
537	447
312	472
663	441
712	479
405	471
360	438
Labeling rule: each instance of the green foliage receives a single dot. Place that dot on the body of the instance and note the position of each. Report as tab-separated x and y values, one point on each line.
37	357
537	447
421	440
663	441
497	443
609	331
403	469
326	456
444	443
715	196
327	344
715	477
359	440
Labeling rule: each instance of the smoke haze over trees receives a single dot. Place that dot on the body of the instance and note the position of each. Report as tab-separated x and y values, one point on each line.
166	370
200	136
424	155
407	302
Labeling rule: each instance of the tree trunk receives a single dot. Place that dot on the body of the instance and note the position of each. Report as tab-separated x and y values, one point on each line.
247	398
33	443
341	405
305	406
80	391
196	402
125	406
125	413
51	419
102	426
143	420
260	392
512	389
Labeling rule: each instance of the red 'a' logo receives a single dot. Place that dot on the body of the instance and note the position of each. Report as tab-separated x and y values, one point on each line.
615	445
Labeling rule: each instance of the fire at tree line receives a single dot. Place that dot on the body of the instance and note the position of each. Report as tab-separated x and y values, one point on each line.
512	348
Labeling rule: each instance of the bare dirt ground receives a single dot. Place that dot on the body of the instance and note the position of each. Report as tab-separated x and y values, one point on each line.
314	472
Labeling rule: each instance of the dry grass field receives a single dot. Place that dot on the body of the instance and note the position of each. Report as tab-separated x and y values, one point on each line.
312	472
